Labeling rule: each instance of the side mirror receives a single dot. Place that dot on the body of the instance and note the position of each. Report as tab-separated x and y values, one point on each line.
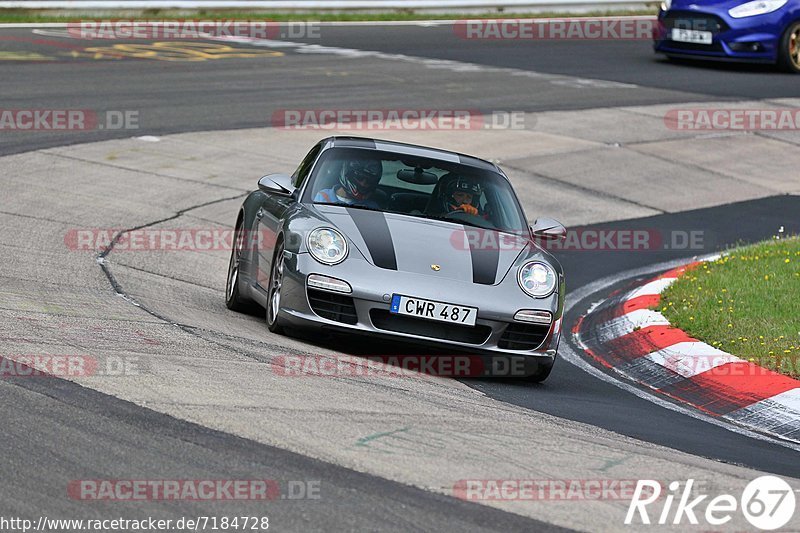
548	229
277	184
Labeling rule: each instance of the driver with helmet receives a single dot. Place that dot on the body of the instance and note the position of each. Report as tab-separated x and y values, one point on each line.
461	194
357	184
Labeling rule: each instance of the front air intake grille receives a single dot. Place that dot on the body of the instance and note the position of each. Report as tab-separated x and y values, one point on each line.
695	47
333	306
383	319
523	336
688	20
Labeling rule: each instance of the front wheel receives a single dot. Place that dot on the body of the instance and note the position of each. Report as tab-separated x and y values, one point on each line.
789	51
542	373
274	294
234	300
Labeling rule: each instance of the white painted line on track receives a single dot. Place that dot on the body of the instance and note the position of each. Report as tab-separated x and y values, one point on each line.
444	64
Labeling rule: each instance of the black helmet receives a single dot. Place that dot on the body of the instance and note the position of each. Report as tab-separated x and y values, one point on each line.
458	183
360	177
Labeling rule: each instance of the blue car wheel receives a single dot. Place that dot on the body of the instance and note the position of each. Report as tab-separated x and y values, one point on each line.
789	53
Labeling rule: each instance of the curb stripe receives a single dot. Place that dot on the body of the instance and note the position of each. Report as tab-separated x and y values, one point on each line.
626	335
648	372
649	339
650	288
679	271
619	309
789	400
731	386
625	324
689	359
779	414
640	302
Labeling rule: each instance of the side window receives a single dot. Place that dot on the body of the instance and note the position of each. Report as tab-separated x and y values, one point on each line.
303	170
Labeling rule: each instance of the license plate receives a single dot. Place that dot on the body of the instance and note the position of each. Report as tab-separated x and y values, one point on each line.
691	36
443	312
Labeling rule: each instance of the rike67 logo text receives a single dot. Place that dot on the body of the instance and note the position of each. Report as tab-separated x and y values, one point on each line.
767	502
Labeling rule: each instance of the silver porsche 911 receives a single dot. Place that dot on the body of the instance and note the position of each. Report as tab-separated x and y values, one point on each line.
400	241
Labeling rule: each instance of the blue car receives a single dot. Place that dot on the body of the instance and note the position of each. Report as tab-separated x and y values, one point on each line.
762	31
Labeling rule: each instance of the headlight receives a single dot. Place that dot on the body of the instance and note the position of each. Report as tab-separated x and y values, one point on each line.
665	5
327	246
759	7
537	279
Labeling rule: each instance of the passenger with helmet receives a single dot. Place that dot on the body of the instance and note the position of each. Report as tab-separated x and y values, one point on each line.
357	184
461	194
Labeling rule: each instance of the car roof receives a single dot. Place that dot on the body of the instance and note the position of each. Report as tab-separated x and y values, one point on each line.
413	149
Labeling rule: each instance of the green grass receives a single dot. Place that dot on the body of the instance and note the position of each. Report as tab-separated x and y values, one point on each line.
746	303
33	16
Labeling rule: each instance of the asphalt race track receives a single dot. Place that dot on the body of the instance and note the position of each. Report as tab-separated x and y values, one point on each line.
179	97
595	153
594	402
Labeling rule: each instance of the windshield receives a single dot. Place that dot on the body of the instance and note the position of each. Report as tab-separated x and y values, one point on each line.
416	186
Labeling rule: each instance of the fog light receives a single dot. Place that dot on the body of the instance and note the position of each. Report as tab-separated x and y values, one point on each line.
537	317
746	47
329	284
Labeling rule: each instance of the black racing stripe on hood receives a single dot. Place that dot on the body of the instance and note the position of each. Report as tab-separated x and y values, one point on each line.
485	260
374	230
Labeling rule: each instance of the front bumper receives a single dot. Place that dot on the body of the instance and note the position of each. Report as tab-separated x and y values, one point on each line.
495	331
750	39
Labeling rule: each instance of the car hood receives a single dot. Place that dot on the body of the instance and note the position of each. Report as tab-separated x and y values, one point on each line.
705	6
446	250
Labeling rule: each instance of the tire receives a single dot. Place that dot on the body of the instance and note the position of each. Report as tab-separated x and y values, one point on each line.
541	374
234	299
274	293
789	49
